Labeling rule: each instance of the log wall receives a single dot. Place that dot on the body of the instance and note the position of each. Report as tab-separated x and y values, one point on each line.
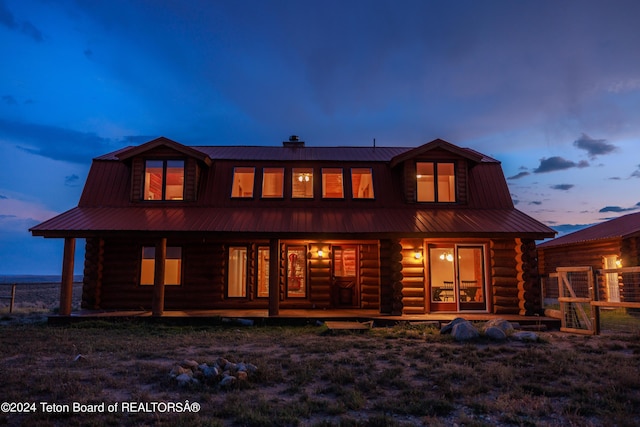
369	276
413	280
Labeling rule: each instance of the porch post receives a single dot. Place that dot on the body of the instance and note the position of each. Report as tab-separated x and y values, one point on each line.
158	278
66	286
274	279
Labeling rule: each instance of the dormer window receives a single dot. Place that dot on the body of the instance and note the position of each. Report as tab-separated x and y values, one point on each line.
362	183
243	182
164	180
332	186
272	183
436	182
302	183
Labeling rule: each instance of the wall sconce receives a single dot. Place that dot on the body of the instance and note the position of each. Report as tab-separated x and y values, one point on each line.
619	263
417	255
320	253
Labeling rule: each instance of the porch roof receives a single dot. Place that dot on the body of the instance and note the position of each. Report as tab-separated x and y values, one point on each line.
283	222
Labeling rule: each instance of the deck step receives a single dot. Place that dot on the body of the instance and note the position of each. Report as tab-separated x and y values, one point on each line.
345	326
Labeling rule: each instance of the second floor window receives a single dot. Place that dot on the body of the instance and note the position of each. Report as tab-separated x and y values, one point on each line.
302	183
436	182
242	182
361	183
332	187
272	183
164	180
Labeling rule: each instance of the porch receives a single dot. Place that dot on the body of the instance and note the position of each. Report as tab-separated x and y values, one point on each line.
298	317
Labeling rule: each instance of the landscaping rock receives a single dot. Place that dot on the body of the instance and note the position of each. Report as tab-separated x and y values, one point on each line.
527	336
495	333
464	331
502	324
448	328
222	372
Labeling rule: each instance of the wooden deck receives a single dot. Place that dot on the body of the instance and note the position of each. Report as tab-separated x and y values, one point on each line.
294	317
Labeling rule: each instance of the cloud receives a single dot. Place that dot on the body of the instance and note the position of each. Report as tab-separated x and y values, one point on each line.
617	209
636	173
562	187
10	100
535	202
3	197
54	142
558	163
26	27
71	180
594	147
519	175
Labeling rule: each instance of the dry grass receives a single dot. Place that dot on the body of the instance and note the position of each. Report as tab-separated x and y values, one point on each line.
386	377
401	376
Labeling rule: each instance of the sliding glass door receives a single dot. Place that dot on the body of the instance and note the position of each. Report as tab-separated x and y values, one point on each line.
457	277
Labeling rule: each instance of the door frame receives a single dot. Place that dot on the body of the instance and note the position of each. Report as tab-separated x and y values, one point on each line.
454	292
339	291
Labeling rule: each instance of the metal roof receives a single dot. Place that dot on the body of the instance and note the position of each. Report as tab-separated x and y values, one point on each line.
620	227
84	221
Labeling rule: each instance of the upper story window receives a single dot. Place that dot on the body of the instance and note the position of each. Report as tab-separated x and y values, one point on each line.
436	182
272	183
243	182
332	186
362	183
164	180
302	183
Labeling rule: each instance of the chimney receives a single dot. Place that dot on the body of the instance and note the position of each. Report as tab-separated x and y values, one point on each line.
293	142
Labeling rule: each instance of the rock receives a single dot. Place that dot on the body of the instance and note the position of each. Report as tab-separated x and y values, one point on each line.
464	331
527	336
447	328
183	379
191	364
251	368
242	376
179	370
228	381
502	324
495	333
210	372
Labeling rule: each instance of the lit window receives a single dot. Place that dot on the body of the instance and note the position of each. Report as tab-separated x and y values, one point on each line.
263	272
237	281
164	180
172	266
296	272
272	183
242	182
361	183
302	183
332	187
436	182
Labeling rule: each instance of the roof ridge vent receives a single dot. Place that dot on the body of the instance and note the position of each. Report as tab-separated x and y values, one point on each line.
293	142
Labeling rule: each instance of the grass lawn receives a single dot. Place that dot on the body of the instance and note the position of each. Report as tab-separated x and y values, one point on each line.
400	376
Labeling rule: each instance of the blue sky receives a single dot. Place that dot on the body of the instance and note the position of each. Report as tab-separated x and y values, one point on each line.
550	88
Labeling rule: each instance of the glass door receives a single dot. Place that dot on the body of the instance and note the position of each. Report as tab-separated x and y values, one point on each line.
456	277
344	286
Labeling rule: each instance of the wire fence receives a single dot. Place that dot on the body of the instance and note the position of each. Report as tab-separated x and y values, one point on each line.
602	301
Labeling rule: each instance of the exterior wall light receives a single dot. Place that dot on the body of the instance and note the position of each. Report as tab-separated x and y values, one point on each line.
417	254
320	253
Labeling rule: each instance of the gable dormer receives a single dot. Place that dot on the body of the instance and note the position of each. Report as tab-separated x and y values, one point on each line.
163	170
436	173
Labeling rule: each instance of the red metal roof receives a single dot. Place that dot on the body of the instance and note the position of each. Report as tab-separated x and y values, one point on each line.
84	221
623	226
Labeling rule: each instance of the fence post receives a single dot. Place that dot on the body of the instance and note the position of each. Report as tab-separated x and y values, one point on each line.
595	296
13	297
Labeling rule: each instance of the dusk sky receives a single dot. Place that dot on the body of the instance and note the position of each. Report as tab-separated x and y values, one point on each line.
549	88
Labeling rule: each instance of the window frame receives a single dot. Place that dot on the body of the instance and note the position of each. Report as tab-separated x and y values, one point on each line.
302	171
236	169
245	266
144	271
274	171
324	183
262	291
435	186
354	194
165	167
